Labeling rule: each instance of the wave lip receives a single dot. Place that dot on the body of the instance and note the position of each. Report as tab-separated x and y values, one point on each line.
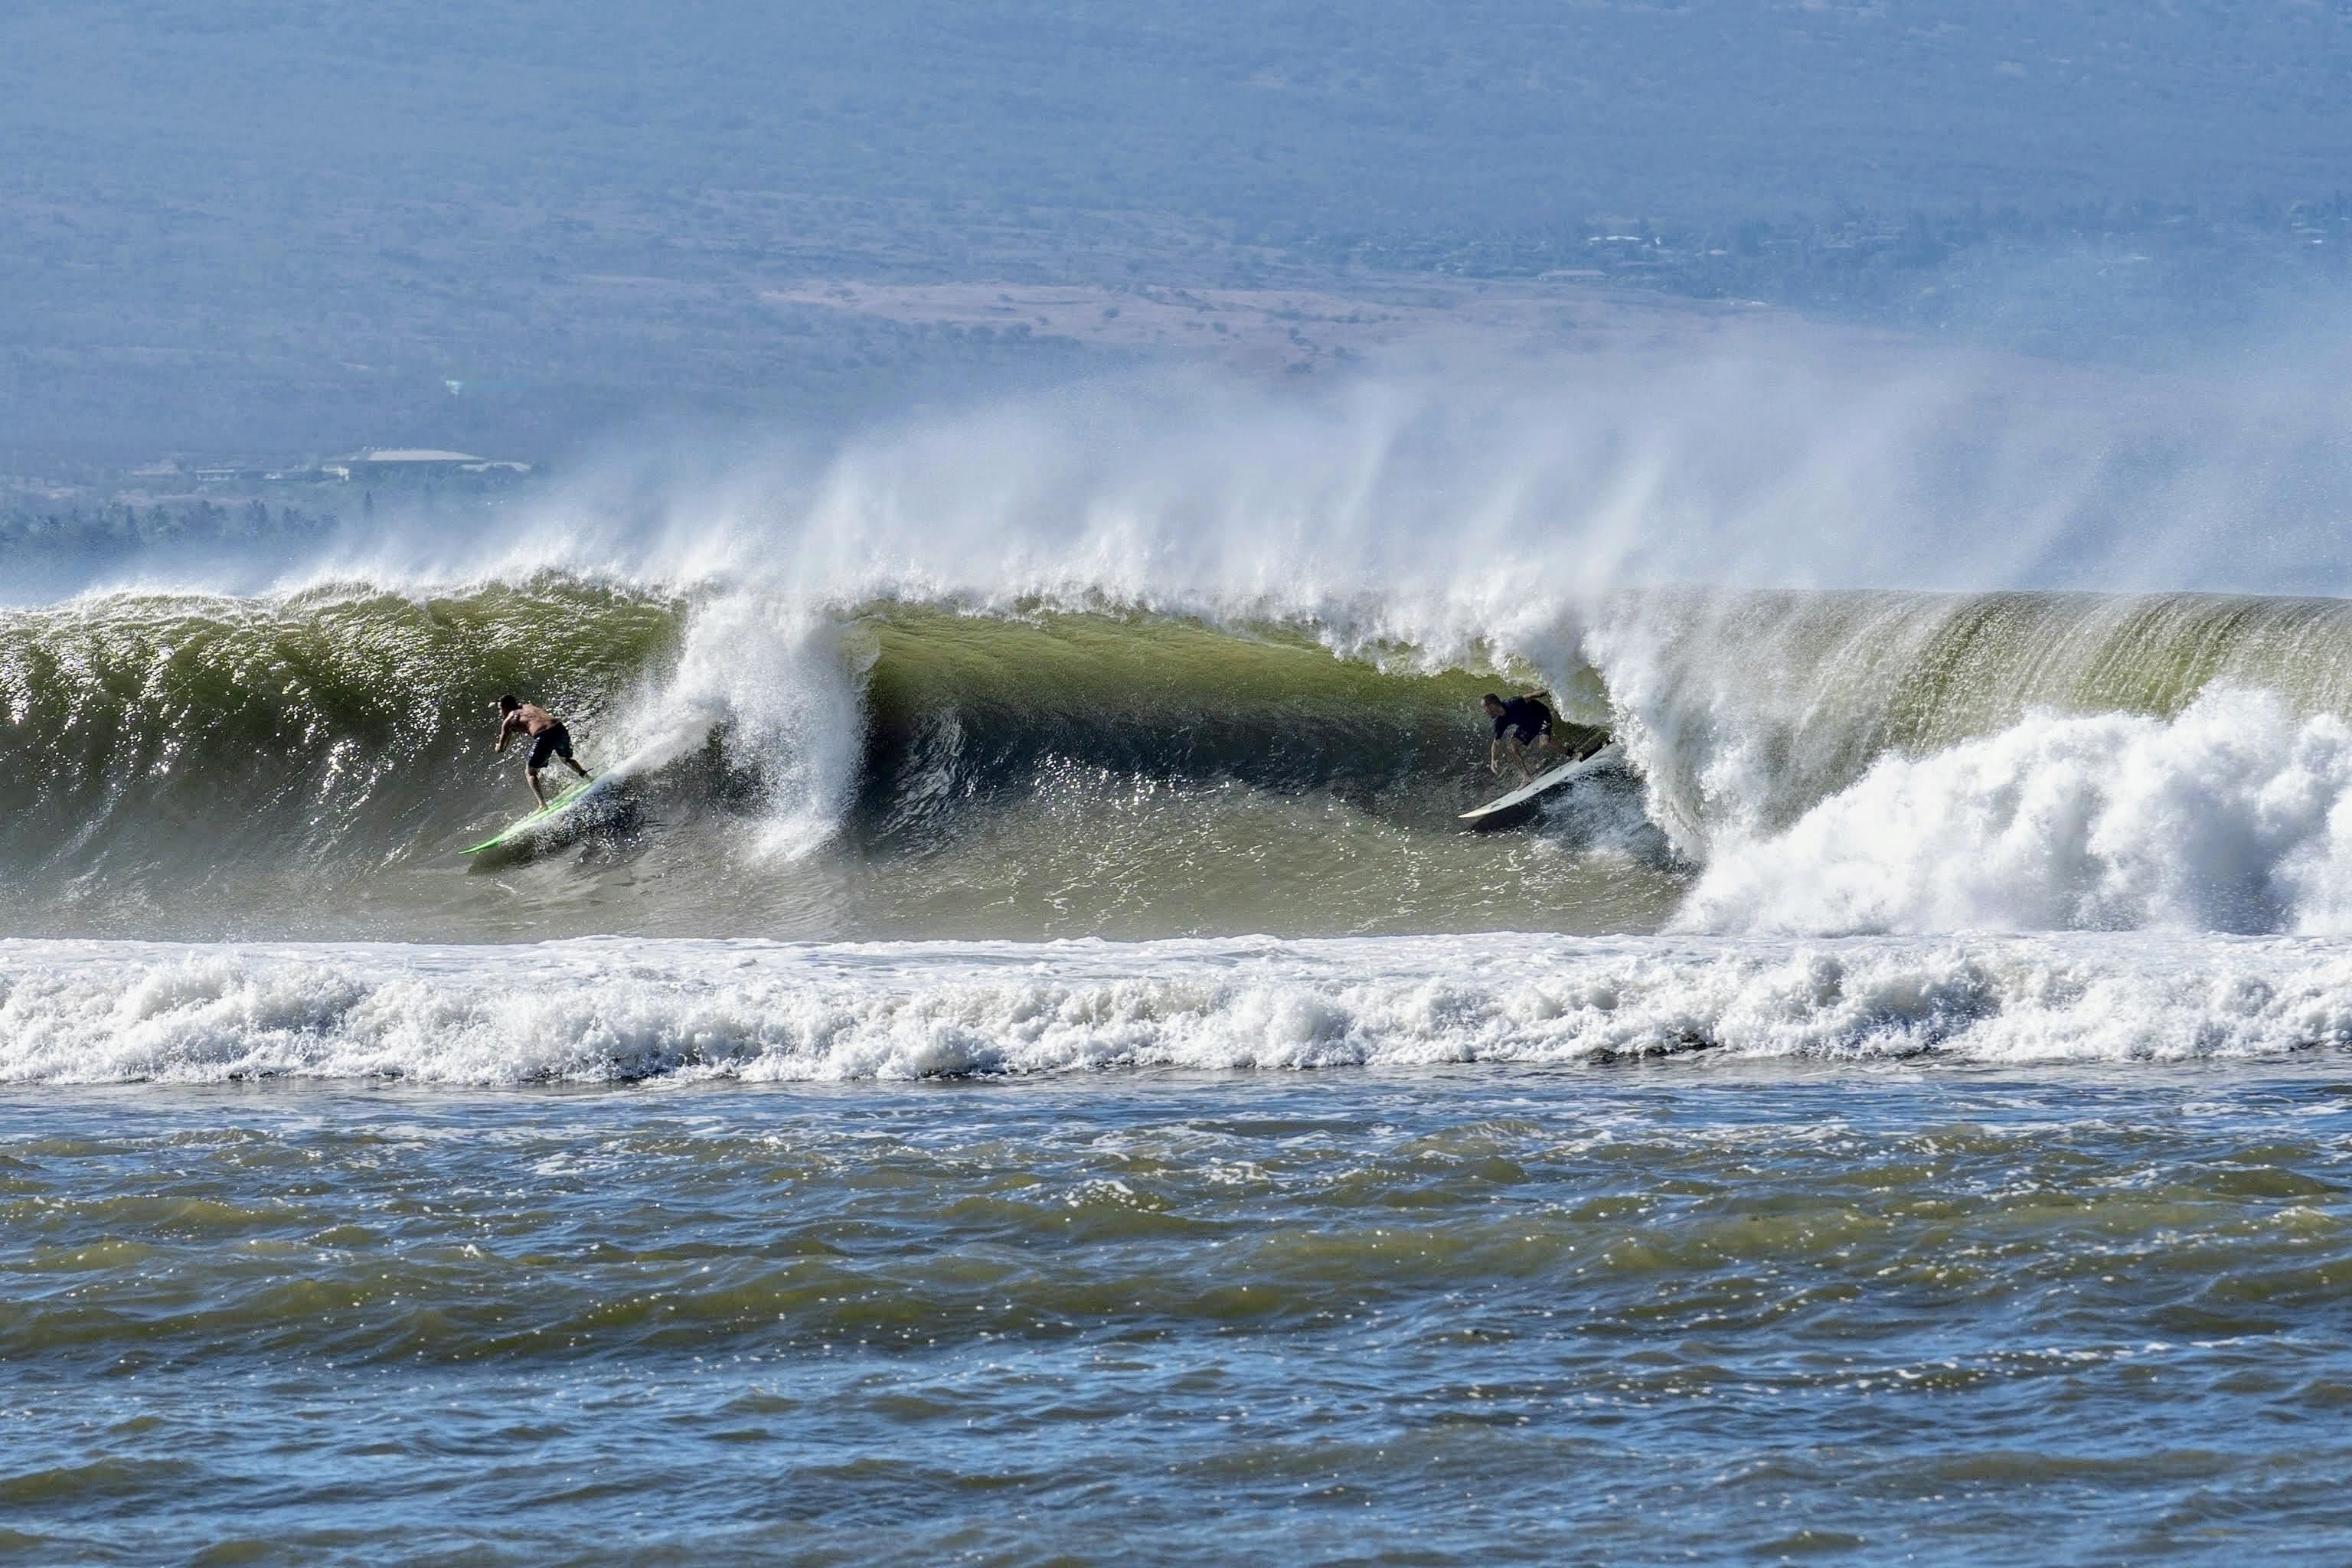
599	1009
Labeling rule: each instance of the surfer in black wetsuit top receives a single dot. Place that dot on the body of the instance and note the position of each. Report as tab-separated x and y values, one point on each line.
549	738
1525	722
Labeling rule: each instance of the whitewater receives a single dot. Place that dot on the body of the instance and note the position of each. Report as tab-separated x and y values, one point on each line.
599	1010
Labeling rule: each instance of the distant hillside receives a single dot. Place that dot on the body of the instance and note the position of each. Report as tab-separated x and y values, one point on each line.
219	214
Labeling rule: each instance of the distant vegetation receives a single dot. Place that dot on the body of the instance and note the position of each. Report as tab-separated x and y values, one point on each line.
113	524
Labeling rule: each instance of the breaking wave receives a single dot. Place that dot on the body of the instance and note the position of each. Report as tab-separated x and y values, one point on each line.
600	1010
1827	762
1165	658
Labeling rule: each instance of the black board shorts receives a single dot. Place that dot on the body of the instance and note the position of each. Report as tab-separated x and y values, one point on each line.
1523	717
555	741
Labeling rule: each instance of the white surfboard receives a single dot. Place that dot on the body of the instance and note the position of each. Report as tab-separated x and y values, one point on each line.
1501	807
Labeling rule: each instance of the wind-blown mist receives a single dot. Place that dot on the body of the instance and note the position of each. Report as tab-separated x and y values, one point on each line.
1779	456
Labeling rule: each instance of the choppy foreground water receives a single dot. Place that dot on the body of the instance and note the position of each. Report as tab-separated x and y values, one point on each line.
1689	1311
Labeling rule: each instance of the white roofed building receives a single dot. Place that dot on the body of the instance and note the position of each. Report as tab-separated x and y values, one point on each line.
426	464
416	454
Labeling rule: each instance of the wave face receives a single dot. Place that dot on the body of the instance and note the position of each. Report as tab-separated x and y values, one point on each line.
1829	763
200	767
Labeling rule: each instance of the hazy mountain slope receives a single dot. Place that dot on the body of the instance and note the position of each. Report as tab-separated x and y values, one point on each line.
220	217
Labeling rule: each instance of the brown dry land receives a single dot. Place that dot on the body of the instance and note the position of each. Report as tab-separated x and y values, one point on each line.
1279	330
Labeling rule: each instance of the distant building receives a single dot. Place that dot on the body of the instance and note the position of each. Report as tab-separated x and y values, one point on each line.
425	455
422	465
385	467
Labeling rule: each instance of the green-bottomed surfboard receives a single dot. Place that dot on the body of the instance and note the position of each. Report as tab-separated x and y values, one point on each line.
544	816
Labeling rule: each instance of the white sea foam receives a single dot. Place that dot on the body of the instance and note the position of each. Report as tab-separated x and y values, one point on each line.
606	1009
778	679
2233	816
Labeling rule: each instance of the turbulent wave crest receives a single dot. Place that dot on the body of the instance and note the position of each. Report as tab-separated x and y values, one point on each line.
2232	818
599	1010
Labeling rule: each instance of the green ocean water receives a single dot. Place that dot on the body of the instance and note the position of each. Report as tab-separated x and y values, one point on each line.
1043	772
947	770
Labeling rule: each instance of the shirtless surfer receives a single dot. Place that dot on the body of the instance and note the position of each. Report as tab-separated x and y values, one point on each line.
549	738
1527	721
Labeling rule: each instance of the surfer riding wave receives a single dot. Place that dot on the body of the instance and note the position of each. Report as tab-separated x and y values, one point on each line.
1522	724
549	740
